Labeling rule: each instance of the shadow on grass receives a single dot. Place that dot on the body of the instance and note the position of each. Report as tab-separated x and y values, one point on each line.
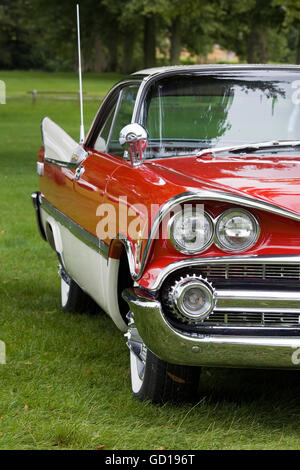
239	386
243	386
267	398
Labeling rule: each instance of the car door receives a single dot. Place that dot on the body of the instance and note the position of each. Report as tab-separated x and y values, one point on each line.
105	156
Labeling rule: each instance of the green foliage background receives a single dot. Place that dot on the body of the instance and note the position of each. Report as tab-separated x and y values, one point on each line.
124	35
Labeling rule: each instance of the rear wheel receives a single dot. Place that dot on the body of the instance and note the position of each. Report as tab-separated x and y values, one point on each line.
73	298
159	381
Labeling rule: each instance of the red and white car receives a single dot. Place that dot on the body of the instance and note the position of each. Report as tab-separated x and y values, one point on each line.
179	216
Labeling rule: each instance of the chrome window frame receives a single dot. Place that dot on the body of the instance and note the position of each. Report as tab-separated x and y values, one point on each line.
95	129
104	124
119	102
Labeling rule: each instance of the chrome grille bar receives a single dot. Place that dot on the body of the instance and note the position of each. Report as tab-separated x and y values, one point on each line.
252	318
252	271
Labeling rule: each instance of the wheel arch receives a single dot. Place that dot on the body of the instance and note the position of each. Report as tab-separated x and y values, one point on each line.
119	250
53	234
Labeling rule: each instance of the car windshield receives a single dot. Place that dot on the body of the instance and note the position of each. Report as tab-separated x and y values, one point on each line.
187	113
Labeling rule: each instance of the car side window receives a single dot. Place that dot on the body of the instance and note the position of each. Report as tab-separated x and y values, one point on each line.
101	141
122	117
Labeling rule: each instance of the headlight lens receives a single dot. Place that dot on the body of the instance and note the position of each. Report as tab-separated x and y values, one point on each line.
236	230
192	298
191	230
196	301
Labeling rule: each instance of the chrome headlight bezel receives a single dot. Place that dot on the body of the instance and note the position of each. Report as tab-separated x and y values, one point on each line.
227	247
180	247
180	291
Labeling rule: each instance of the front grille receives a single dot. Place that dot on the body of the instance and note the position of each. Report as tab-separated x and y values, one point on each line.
277	277
251	271
252	319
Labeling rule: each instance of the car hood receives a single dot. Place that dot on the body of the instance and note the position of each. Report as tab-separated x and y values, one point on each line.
272	179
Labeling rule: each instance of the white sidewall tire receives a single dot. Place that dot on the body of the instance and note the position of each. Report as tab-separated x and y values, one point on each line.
136	381
65	291
161	381
74	299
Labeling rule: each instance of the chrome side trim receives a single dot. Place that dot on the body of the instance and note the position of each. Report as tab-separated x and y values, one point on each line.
51	161
207	350
88	238
244	259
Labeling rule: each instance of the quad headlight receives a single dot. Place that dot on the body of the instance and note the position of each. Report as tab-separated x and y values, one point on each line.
191	230
236	230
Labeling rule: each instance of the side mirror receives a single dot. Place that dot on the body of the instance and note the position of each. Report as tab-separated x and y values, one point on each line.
133	138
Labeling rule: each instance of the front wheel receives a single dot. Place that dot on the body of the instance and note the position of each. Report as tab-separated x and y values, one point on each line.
159	381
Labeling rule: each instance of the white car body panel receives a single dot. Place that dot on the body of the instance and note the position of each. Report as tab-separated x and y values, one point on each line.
96	275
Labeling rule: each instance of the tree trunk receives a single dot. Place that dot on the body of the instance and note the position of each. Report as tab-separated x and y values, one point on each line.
298	49
257	46
128	51
175	49
99	64
113	53
149	42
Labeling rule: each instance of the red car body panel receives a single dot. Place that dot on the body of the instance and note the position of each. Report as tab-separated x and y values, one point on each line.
108	178
271	179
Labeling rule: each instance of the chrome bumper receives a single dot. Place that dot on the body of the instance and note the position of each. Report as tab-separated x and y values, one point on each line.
179	347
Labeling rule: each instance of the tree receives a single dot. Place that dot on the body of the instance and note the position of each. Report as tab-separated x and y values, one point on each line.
292	22
121	35
18	37
245	27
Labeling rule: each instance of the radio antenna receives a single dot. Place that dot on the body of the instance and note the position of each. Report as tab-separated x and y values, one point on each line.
80	79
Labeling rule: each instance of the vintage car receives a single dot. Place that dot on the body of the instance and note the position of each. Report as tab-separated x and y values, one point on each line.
179	216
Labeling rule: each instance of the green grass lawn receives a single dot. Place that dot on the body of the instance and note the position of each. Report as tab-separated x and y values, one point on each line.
66	384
